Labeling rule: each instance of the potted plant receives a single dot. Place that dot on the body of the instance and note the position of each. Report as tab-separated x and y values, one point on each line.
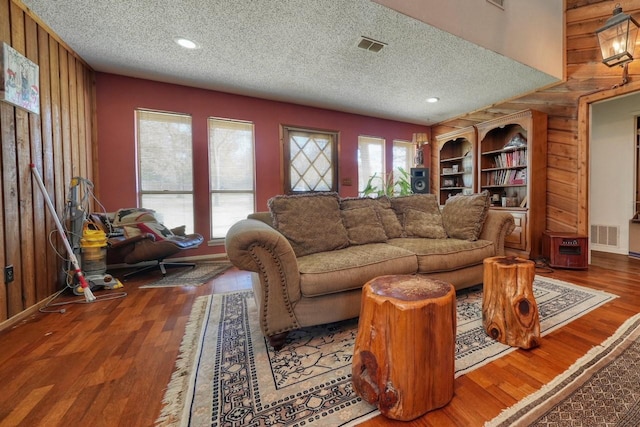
401	186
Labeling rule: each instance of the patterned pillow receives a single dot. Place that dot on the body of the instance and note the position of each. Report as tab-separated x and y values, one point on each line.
412	222
382	205
423	224
159	231
363	226
463	216
311	222
132	216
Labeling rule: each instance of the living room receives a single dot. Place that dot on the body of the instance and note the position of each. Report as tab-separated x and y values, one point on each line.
71	144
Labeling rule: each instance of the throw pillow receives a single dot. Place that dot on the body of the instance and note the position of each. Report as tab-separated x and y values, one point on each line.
311	222
132	216
382	205
363	226
412	222
463	215
423	224
159	231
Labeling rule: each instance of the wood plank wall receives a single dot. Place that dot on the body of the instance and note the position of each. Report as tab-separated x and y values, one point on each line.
567	158
58	141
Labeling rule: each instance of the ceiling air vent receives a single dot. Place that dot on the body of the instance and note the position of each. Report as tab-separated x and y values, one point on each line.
370	44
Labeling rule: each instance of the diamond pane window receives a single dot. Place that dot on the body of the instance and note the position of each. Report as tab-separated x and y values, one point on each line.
310	160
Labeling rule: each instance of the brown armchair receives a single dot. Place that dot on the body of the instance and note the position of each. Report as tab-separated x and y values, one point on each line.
148	245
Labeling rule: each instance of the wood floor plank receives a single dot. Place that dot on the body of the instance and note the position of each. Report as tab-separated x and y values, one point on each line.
108	363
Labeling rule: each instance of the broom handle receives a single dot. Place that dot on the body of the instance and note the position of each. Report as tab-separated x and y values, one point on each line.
72	256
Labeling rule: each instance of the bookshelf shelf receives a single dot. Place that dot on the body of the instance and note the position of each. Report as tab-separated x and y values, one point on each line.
457	161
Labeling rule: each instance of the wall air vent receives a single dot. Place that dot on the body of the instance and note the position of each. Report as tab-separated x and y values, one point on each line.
605	235
370	44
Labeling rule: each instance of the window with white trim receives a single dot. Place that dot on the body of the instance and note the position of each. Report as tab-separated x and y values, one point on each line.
165	166
231	173
371	160
404	153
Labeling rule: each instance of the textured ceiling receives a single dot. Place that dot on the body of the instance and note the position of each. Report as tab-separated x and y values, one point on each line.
297	51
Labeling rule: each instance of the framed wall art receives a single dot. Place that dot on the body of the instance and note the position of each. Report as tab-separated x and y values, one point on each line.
20	84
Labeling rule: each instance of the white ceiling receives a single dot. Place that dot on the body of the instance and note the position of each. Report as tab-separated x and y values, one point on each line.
300	51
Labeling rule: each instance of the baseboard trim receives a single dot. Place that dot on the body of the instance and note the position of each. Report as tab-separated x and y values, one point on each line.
23	315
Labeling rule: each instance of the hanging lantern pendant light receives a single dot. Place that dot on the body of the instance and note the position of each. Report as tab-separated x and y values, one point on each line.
617	39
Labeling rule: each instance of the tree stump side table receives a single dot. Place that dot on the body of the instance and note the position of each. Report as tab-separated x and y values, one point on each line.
509	309
404	354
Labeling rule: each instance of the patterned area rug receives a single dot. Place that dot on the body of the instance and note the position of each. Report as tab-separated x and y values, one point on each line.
187	276
600	389
227	375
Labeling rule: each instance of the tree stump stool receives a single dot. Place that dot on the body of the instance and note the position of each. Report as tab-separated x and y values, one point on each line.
509	309
404	352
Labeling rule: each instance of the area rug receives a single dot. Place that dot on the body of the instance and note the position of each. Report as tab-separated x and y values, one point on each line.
600	389
227	375
188	276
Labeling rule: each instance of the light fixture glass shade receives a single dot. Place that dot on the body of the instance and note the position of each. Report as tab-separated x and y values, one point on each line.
420	139
617	38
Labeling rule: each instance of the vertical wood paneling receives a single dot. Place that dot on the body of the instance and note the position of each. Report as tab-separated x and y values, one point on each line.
56	116
39	231
83	144
73	115
4	301
67	151
10	184
27	276
58	141
47	287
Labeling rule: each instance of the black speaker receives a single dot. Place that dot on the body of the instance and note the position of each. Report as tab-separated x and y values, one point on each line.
420	180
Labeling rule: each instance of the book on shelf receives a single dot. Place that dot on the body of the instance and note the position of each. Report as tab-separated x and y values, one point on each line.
511	159
507	177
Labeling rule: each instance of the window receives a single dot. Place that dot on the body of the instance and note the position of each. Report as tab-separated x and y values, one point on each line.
404	153
165	166
370	162
231	172
310	160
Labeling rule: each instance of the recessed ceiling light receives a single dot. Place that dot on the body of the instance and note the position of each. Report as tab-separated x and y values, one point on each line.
186	43
433	99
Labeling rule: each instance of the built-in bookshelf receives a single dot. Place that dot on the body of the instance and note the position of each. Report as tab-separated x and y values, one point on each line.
456	158
512	159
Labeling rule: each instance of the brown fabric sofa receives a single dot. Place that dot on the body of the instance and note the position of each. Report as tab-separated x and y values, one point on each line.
311	255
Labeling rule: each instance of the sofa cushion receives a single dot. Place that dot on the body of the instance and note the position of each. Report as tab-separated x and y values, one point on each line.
463	215
414	224
423	224
382	205
350	268
311	222
363	226
436	255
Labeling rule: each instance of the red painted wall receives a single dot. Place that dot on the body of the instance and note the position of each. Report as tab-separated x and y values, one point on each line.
118	97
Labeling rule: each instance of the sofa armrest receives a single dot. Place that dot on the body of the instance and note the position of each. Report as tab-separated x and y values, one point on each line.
497	226
253	245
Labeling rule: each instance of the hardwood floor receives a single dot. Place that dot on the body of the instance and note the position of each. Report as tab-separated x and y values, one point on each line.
107	363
